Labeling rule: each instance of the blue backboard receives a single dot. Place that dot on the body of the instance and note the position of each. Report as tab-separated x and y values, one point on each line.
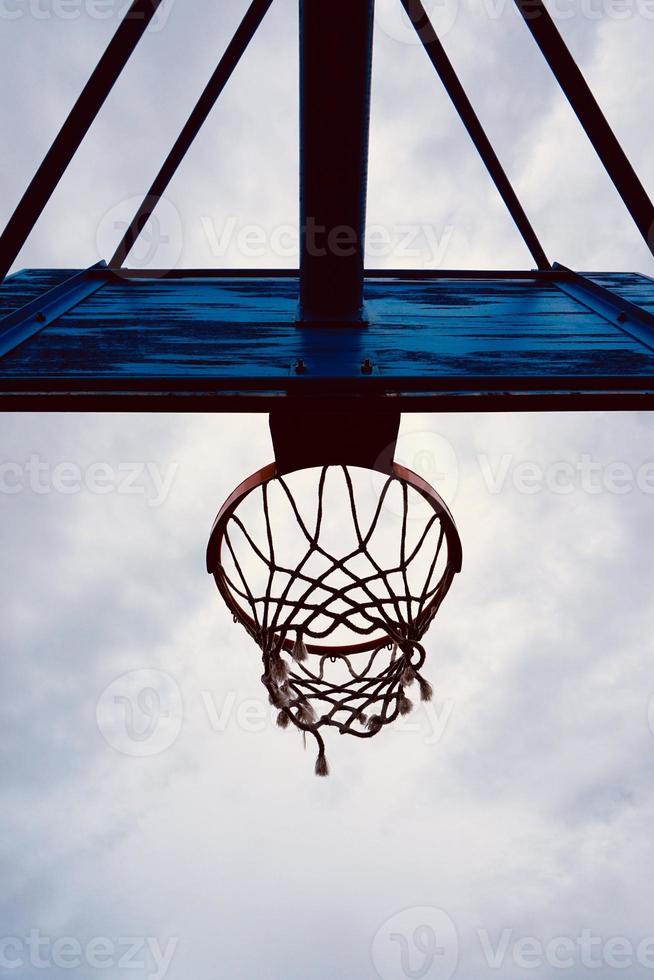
196	340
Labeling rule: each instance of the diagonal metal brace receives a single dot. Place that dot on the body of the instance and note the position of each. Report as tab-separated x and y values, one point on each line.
621	313
79	120
29	320
448	76
585	106
222	74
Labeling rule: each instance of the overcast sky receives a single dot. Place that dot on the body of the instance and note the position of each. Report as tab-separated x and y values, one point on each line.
145	791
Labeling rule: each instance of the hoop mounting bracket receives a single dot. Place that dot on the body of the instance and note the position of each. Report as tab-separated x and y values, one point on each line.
306	439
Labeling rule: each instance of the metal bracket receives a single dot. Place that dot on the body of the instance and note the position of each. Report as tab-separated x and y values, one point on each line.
331	438
619	312
29	320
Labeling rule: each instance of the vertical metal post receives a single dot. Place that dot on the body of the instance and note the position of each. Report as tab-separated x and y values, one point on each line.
335	73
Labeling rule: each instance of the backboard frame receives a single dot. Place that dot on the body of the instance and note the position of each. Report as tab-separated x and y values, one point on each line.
321	373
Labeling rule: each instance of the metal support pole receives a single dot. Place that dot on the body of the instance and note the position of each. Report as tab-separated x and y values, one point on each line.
335	73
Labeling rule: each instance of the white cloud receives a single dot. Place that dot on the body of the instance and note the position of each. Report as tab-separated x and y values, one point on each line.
533	811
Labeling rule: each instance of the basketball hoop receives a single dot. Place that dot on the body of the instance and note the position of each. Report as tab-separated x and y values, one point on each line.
337	595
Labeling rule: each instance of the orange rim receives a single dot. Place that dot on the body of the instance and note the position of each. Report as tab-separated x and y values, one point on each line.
270	472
